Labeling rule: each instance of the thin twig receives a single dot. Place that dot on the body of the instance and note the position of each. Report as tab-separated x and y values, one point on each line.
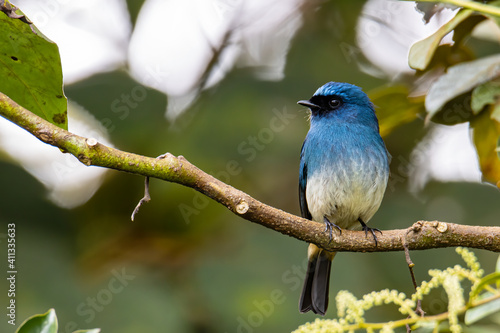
418	309
145	198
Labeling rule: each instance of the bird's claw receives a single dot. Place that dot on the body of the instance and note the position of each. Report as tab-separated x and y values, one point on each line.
329	227
368	229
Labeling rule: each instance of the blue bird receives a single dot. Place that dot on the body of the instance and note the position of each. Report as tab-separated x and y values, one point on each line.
344	169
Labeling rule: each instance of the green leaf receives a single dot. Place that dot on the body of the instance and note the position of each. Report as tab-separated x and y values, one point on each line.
481	311
46	323
393	107
485	94
481	329
94	330
30	68
497	268
425	326
494	18
465	27
449	55
454	112
460	79
485	281
486	132
422	51
495	115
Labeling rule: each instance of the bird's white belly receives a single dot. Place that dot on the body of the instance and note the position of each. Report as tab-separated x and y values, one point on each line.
345	196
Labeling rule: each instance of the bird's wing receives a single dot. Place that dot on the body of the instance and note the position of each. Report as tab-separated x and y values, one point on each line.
302	185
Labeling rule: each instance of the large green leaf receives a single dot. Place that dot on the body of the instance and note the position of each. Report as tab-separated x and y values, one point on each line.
421	52
30	68
46	323
479	312
393	107
486	133
460	79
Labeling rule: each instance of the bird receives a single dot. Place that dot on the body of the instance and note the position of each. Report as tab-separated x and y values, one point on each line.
344	170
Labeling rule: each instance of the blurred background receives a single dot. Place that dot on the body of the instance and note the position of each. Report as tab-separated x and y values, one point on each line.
217	82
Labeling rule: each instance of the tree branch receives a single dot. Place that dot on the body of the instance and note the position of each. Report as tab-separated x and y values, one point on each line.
421	235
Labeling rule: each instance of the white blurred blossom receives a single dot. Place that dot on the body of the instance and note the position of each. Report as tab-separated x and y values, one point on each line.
69	182
174	42
92	35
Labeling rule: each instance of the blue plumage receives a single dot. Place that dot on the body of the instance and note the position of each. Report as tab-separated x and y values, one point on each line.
344	169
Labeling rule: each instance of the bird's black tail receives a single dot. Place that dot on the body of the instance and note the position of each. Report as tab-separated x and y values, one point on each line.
316	285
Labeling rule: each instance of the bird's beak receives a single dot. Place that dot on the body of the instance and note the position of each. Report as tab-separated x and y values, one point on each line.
308	104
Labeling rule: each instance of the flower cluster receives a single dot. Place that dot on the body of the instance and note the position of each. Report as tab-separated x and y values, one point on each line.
351	310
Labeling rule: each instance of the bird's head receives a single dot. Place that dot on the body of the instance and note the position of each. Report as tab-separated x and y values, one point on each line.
343	102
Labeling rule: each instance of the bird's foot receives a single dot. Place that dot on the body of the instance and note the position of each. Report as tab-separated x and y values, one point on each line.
368	229
329	227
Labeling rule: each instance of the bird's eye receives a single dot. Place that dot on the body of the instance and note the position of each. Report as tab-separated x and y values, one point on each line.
334	103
